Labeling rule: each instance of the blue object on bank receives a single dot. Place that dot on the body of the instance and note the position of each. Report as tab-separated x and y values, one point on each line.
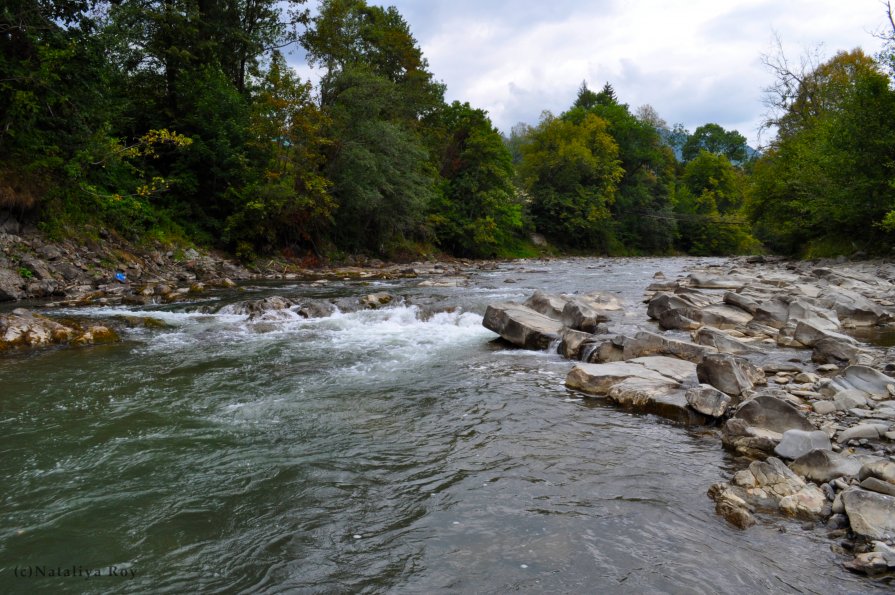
120	277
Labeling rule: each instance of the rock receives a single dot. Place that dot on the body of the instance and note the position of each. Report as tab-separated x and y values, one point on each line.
823	466
876	485
645	343
824	407
522	326
770	484
579	316
704	281
830	349
729	374
547	304
880	469
773	313
864	379
265	309
738	435
37	267
741	301
657	397
723	342
598	379
770	413
850	399
678	370
316	309
797	443
852	308
376	300
860	431
870	514
602	301
11	285
572	343
23	329
869	563
665	302
819	318
708	400
731	507
808	335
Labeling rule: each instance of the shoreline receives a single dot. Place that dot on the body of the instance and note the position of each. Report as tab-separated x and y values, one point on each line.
761	350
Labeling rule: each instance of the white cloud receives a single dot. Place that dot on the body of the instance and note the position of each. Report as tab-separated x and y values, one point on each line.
695	61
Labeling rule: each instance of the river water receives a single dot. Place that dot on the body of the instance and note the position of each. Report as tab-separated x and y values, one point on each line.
379	451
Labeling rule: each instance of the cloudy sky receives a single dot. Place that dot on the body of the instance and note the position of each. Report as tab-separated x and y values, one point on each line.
694	61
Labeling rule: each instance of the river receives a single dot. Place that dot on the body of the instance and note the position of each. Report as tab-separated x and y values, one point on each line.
396	450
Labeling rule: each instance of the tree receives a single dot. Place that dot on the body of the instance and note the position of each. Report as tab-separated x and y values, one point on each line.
571	170
709	199
715	139
825	186
476	212
642	212
286	200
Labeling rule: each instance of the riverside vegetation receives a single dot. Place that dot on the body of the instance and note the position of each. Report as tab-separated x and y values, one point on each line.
180	121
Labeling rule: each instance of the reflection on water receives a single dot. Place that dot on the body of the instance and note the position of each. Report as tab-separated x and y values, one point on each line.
393	450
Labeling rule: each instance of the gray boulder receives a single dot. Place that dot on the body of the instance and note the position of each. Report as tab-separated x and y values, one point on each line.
821	318
602	301
773	313
547	304
823	466
708	400
880	469
572	343
706	281
11	285
770	413
796	443
850	399
578	315
522	326
870	514
646	343
864	379
723	342
809	334
729	374
852	308
265	309
869	431
598	379
316	309
741	301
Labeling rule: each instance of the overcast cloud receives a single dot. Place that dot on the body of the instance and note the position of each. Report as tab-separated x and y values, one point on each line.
694	61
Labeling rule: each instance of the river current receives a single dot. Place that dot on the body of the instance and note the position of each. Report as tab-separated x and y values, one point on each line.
398	450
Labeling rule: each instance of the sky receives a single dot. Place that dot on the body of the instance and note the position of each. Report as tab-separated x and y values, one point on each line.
694	61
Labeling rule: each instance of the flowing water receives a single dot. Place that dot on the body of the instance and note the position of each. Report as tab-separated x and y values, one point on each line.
399	450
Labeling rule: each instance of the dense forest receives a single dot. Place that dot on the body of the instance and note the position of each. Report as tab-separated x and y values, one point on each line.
180	120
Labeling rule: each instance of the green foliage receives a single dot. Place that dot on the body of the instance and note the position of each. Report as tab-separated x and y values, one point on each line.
709	201
571	171
830	172
476	212
715	139
25	273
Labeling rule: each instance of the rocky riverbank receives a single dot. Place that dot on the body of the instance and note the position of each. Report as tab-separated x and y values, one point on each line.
110	271
766	351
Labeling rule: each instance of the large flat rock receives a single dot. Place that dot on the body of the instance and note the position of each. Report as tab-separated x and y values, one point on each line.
870	514
521	325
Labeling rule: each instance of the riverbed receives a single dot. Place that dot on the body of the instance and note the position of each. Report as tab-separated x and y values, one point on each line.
394	450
